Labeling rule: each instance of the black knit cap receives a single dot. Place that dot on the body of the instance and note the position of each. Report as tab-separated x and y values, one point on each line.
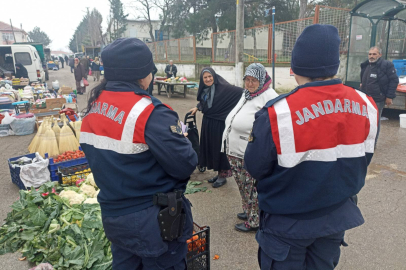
127	59
317	52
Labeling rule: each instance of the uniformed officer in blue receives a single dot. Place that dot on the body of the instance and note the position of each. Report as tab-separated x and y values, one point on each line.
141	161
309	151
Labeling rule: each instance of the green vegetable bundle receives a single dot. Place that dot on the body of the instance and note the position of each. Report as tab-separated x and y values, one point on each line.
45	228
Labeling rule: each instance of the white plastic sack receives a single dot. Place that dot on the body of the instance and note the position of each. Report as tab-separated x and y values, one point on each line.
82	84
8	119
23	126
55	85
36	173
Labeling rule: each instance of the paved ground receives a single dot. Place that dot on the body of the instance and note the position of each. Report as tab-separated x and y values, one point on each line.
379	244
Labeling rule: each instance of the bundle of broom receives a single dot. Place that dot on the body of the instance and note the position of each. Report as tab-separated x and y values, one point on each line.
48	143
78	126
56	129
67	140
35	143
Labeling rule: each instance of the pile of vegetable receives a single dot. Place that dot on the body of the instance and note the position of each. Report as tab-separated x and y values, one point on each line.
58	225
69	155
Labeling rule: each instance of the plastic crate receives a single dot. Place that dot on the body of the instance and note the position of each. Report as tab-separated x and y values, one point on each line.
400	66
53	167
15	172
198	256
69	175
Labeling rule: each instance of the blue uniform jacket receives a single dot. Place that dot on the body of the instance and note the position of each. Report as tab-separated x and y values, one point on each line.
129	181
311	199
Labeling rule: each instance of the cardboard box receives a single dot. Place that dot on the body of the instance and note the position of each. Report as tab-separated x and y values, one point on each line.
65	90
55	103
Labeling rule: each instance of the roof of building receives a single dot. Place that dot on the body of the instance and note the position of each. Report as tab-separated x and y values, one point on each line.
6	27
142	21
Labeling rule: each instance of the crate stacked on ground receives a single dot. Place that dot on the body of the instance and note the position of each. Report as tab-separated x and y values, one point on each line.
64	161
198	256
15	172
69	175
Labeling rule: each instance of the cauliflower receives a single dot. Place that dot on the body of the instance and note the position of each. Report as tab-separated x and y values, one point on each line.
88	190
90	180
72	196
91	201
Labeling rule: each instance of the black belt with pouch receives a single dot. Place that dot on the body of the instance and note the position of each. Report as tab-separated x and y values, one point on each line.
172	216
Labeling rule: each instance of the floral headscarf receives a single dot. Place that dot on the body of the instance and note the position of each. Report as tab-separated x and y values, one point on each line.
258	71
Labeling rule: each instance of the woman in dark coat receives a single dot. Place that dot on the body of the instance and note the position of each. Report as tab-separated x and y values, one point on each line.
21	71
216	99
79	74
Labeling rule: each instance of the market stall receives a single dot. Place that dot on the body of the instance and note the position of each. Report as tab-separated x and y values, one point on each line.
166	85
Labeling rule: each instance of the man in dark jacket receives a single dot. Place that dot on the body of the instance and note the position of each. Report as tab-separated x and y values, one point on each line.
71	64
379	80
171	71
62	61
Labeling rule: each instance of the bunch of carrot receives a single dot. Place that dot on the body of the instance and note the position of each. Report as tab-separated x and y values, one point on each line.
196	244
69	155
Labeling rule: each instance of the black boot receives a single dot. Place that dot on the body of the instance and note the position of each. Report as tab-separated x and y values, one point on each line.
219	182
212	180
242	216
245	227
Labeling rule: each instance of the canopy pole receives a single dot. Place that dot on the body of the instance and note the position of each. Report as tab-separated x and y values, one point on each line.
387	40
348	51
373	35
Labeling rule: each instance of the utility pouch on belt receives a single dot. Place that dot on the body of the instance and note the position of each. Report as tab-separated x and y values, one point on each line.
172	217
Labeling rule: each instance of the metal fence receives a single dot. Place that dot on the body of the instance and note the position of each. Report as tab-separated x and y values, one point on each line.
340	18
258	40
286	34
179	50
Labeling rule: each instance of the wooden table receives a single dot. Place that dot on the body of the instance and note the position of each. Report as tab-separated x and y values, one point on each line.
166	87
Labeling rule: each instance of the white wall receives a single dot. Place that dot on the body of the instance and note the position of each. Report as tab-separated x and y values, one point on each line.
184	70
283	79
140	29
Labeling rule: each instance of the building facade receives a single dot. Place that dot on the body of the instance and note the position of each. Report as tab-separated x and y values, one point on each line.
7	37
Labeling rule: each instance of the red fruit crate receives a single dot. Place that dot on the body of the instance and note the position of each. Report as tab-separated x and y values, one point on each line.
198	256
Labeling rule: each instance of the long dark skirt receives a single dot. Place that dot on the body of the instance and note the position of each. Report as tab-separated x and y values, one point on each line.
210	145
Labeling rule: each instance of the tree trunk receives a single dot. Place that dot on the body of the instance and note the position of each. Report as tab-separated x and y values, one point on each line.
303	7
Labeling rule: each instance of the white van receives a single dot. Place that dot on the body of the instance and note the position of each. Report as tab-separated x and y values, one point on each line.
26	55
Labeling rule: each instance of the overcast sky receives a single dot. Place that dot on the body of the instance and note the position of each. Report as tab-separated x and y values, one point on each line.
58	18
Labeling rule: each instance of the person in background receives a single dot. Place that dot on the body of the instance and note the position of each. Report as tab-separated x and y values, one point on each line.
379	80
21	71
80	75
151	85
62	61
216	99
72	63
258	91
309	151
171	71
66	59
8	65
85	63
96	69
141	161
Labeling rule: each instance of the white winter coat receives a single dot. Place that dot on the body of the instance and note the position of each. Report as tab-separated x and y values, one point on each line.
240	120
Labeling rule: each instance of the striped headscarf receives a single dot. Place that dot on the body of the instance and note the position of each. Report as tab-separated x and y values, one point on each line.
258	71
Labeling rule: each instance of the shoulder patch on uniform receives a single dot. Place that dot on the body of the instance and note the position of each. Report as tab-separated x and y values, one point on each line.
177	128
251	137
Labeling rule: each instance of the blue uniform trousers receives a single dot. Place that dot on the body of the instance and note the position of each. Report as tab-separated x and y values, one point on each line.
136	241
279	253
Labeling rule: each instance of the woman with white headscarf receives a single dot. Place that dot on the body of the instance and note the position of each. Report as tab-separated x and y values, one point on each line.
258	91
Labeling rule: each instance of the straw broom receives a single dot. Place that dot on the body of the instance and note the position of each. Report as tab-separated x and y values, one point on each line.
78	126
49	144
37	139
56	129
67	140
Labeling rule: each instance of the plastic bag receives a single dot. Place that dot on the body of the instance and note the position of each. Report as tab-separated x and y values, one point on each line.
82	84
43	266
90	72
55	85
8	119
86	83
36	173
23	126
